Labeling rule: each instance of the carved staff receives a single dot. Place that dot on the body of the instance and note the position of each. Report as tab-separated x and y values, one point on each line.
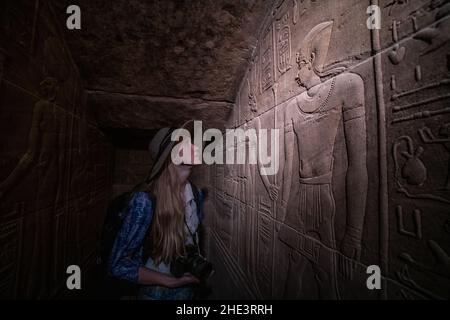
382	149
275	119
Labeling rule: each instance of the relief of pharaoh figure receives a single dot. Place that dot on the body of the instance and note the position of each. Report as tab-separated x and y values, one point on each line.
312	120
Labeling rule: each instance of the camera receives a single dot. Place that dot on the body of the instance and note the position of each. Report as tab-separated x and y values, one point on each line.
192	262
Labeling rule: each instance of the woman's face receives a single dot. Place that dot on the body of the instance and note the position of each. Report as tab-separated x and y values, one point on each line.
184	169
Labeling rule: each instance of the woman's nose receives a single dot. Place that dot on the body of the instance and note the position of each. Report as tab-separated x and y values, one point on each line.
195	155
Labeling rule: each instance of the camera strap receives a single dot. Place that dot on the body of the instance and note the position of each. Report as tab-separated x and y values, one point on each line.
193	235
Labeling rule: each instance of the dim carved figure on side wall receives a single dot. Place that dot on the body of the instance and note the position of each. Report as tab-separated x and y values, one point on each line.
312	120
45	156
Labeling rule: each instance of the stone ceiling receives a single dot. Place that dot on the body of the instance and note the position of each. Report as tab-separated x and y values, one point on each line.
147	64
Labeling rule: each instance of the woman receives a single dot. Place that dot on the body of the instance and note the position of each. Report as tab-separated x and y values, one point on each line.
159	222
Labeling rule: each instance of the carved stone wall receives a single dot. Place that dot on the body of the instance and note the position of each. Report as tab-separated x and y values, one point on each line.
364	176
55	164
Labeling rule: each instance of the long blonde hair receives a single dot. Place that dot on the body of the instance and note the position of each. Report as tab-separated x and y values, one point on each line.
167	236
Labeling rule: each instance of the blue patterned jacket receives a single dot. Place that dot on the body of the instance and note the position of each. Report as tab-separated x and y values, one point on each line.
127	252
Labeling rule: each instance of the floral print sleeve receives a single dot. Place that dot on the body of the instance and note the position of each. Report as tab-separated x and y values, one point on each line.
126	255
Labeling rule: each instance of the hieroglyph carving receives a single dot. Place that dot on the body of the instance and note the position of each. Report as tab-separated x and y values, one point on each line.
252	84
283	32
410	171
267	72
417	218
444	139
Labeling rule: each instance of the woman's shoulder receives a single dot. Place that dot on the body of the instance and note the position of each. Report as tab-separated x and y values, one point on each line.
141	205
141	197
